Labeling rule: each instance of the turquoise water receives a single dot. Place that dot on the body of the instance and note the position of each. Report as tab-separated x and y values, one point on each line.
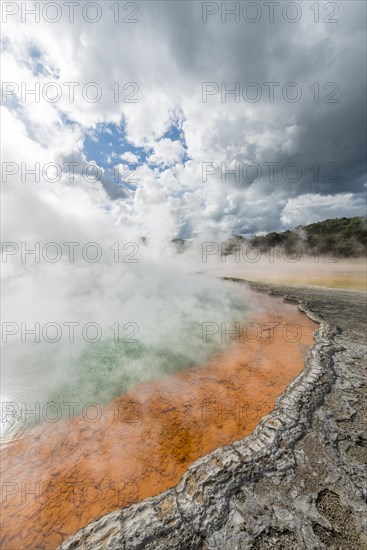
169	338
108	369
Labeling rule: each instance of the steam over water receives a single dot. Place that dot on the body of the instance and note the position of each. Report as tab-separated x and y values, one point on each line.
147	323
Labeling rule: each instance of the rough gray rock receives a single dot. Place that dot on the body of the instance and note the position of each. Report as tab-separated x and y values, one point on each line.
298	482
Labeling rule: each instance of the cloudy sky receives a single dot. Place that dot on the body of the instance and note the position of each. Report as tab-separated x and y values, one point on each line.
183	119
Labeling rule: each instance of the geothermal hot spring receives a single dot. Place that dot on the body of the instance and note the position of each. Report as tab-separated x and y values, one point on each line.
173	366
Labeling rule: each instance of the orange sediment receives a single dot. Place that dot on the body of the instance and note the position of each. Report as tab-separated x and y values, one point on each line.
66	474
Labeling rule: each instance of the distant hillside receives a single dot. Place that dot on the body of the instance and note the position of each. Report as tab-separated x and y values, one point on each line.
340	237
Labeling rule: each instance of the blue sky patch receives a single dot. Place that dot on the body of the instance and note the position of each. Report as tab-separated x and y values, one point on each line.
36	63
106	144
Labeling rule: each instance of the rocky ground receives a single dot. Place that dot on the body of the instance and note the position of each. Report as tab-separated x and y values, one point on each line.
298	482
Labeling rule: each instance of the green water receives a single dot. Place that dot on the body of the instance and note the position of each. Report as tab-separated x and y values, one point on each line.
170	339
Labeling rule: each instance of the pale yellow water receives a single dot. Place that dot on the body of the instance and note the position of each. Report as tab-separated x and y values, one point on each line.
348	274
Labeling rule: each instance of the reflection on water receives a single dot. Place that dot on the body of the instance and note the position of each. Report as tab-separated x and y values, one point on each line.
13	424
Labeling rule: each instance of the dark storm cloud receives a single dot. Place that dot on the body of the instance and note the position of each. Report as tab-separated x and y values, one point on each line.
331	128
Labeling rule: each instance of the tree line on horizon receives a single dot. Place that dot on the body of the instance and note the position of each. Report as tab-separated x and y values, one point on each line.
341	237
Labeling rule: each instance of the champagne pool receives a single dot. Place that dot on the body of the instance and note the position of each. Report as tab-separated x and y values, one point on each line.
141	412
161	334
